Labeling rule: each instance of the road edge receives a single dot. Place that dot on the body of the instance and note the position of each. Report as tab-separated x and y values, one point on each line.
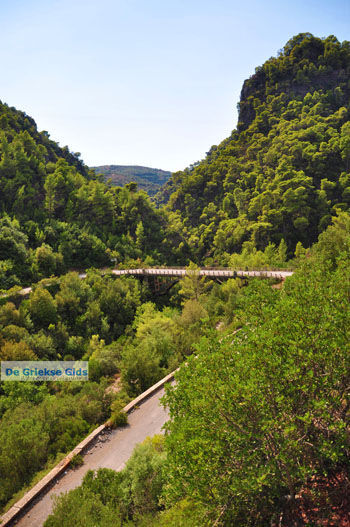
46	481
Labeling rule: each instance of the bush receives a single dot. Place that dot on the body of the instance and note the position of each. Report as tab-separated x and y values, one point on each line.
77	461
278	412
108	498
117	419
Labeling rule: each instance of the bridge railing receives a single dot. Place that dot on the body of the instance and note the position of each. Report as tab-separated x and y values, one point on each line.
172	271
217	272
181	267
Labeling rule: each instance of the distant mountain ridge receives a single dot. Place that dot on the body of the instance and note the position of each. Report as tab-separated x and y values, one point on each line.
148	179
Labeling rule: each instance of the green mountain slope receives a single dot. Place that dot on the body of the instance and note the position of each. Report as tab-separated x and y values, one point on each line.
286	168
56	214
148	179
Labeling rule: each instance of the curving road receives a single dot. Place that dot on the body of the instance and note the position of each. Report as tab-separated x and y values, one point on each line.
112	450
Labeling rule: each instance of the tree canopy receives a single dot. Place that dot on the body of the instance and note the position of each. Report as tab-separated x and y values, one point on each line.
284	171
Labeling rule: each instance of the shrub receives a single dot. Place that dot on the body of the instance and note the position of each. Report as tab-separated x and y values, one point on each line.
117	419
77	461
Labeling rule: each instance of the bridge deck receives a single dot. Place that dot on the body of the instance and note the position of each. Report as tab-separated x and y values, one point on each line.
182	271
217	273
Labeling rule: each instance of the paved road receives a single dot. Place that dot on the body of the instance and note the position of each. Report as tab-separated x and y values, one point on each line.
112	451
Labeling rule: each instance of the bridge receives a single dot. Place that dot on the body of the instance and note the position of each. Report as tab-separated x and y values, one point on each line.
162	279
204	271
179	272
114	449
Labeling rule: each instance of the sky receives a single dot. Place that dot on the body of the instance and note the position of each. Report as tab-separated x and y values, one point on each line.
145	82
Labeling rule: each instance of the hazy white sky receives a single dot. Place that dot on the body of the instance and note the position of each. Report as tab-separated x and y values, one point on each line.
147	82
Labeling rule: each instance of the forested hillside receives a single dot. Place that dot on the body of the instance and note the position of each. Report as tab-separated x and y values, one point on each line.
148	179
259	417
57	215
280	177
285	170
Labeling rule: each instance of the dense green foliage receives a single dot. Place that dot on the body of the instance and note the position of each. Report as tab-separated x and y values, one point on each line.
108	321
277	416
278	413
285	170
109	499
278	410
82	320
282	175
55	213
148	179
37	425
261	405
